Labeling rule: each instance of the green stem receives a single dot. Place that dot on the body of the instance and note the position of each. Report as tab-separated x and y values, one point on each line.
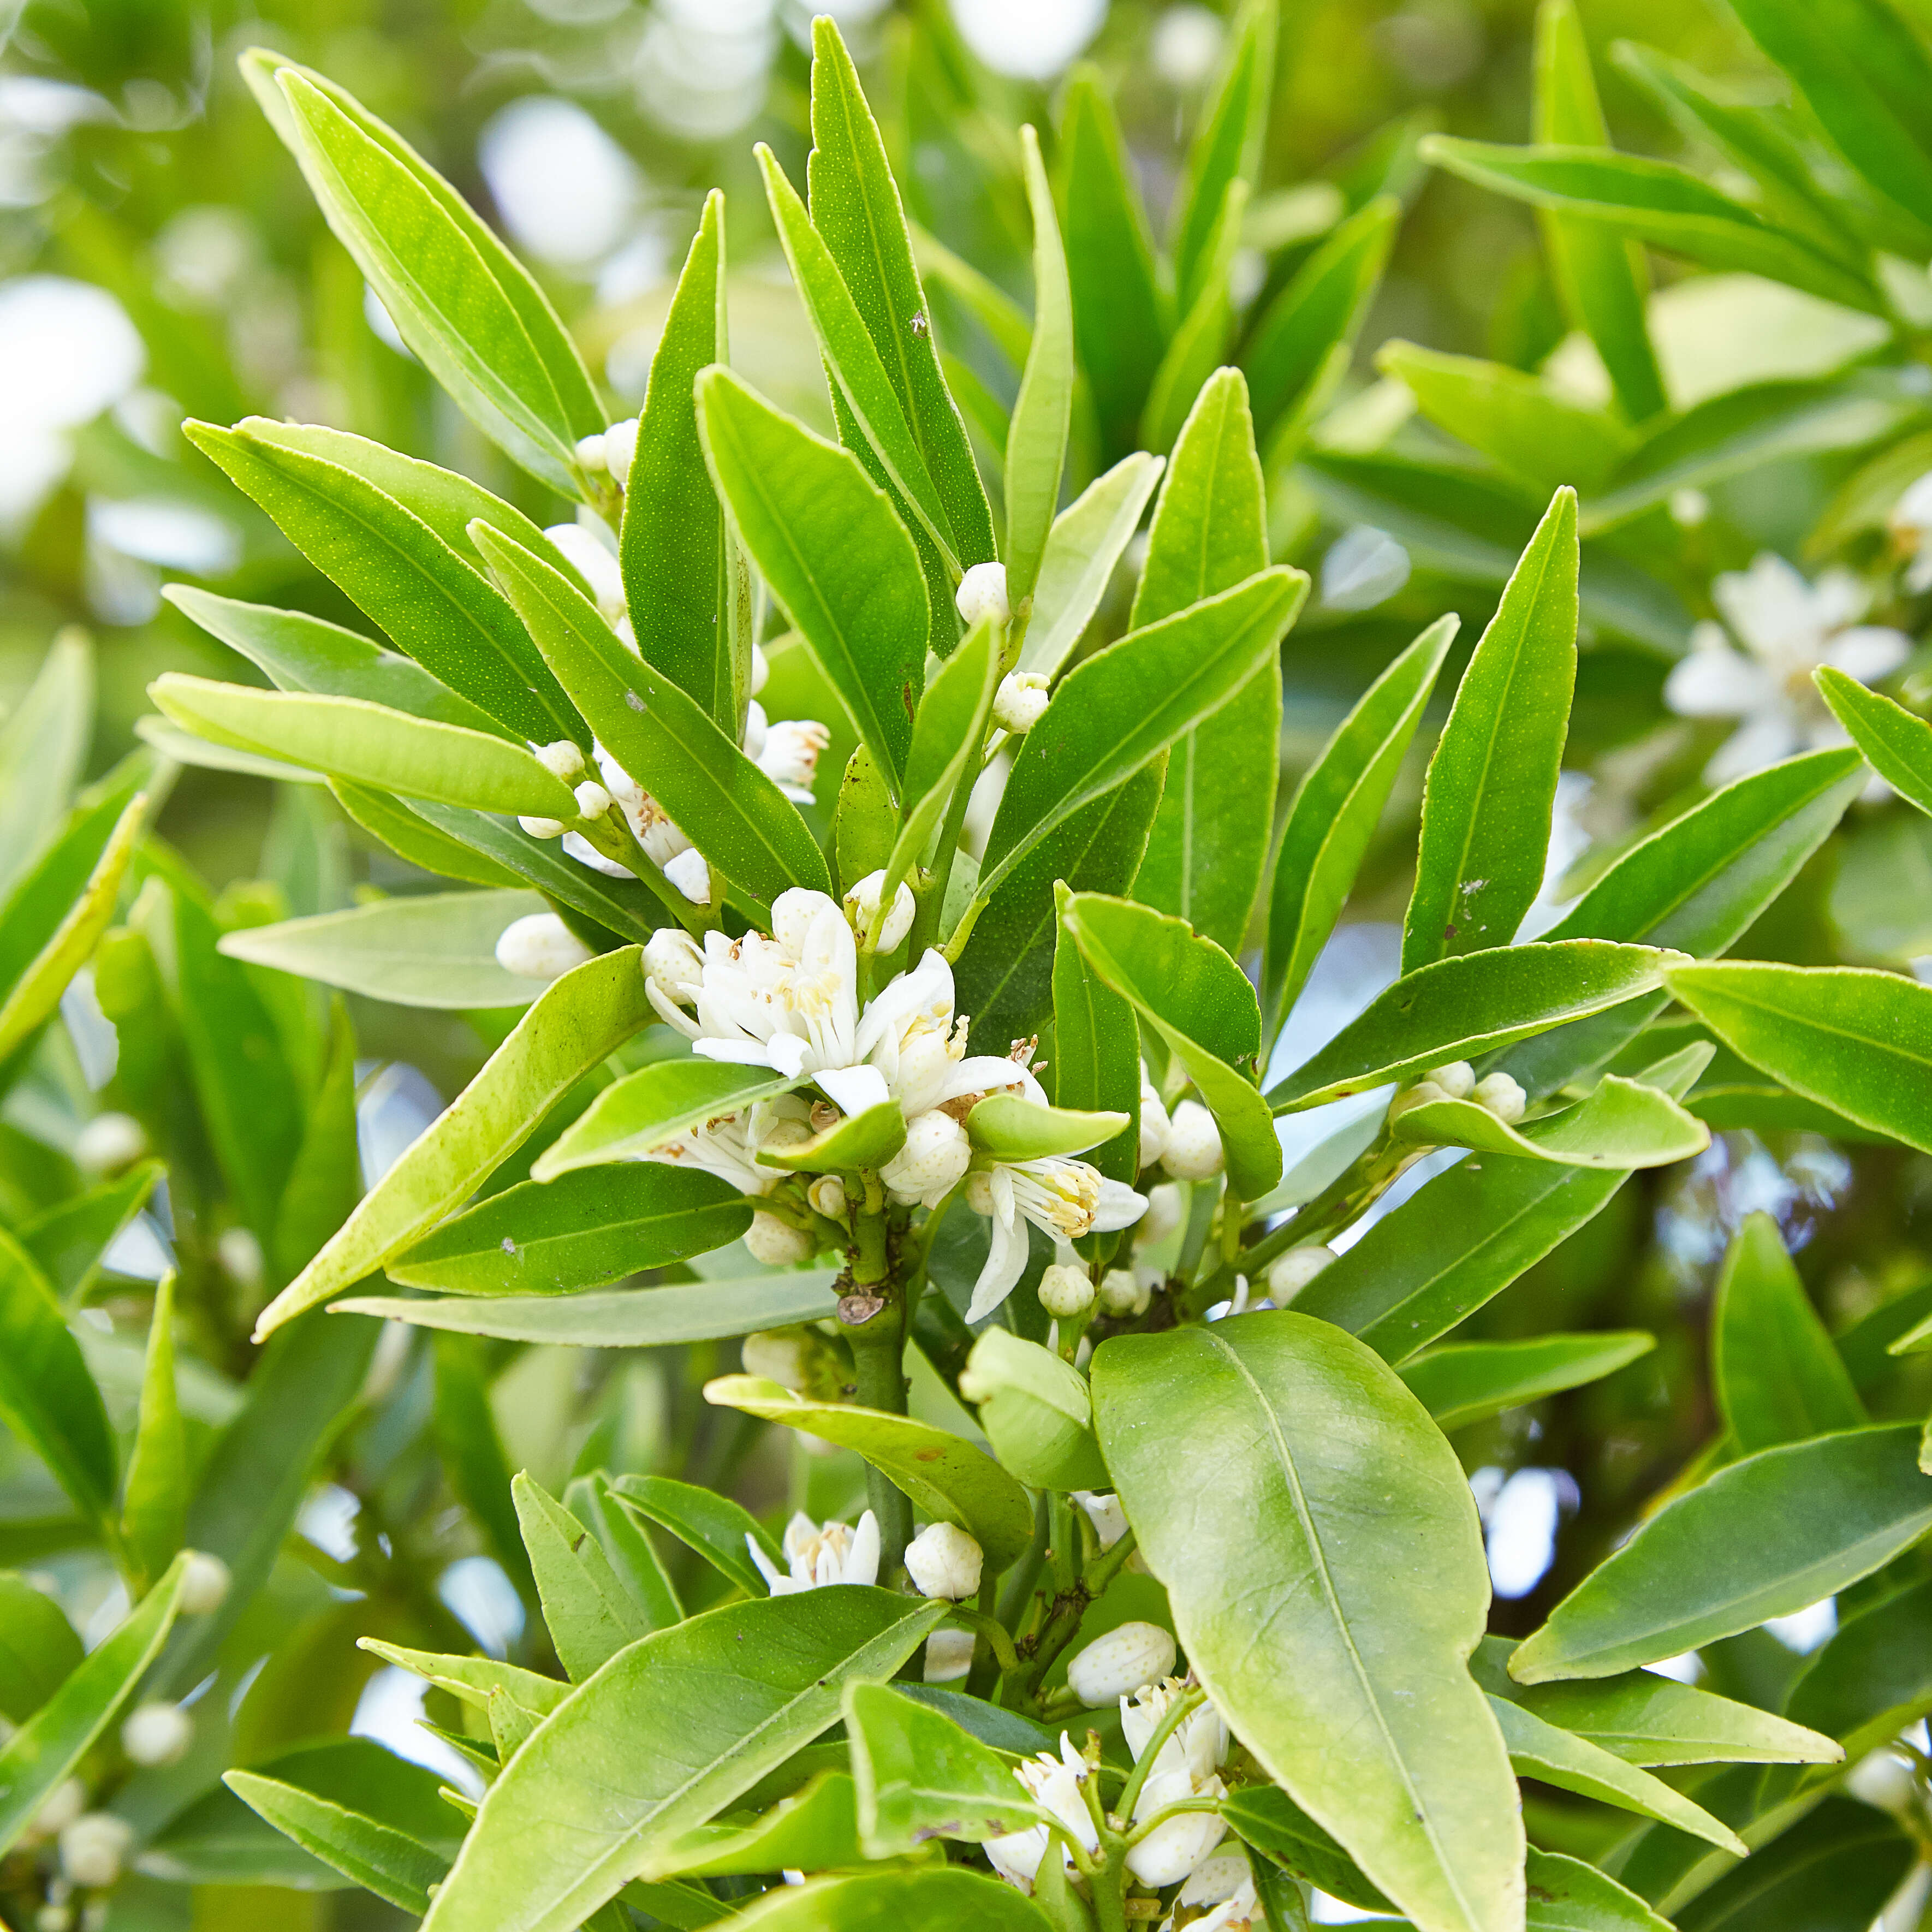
993	1632
1177	1712
878	1358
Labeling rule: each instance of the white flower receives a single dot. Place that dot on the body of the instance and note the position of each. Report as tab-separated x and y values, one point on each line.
589	453
204	1587
789	756
1155	1125
157	1733
861	907
1784	629
1288	1274
819	1557
593	555
1186	47
1123	1661
982	593
1105	1513
690	873
672	958
949	1656
1911	526
928	1167
1225	1882
1193	1150
1184	1767
94	1847
728	1146
761	669
1062	1197
59	1810
1066	1292
943	1561
620	446
1053	1784
539	945
1020	702
1502	1096
777	1243
108	1143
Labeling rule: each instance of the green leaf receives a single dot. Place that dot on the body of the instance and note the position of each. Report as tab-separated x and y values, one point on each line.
154	1508
43	750
1832	1872
893	1900
1118	711
919	1776
1265	1817
949	1479
713	1525
1766	1536
68	1240
475	319
183	747
1858	1041
475	1680
1333	816
947	736
1464	1237
45	1750
1011	1129
638	1318
1622	1124
836	556
1209	844
1202	1004
580	1018
1897	745
664	1736
1869	1679
1651	201
1096	1065
680	568
436	949
1601	276
592	1500
47	1398
1457	1007
648	1110
1227	146
1567	1895
865	1140
1036	1412
814	1830
1043	410
412	838
588	1229
1353	1692
865	821
1776	1375
1085	544
1469	1381
1571	1763
38	1648
438	608
1201	341
589	1613
1491	783
729	809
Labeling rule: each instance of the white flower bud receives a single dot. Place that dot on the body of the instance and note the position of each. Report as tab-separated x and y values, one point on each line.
928	1168
562	760
761	668
539	945
157	1733
789	756
204	1585
54	1918
620	446
1502	1096
777	1243
590	453
687	872
1118	1664
1288	1274
1457	1079
1066	1292
1105	1513
1155	1126
777	1354
1193	1143
757	726
1019	701
239	1252
1122	1293
949	1655
93	1847
979	1192
542	828
861	907
108	1143
982	593
59	1809
592	800
827	1196
1165	1208
943	1561
1419	1095
594	558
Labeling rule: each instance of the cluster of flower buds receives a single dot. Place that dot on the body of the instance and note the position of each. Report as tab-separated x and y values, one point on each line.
1498	1094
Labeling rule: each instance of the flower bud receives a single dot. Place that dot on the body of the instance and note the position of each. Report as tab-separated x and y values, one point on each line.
1065	1292
861	907
1121	1293
1419	1095
779	1355
1164	1209
590	453
1019	701
93	1847
539	945
687	872
542	828
1105	1513
56	1918
1193	1143
1502	1096
108	1143
928	1168
239	1252
949	1655
1155	1126
204	1585
672	959
562	760
1118	1664
594	559
790	754
1288	1274
982	593
157	1733
620	446
59	1810
592	800
761	668
827	1196
943	1561
777	1243
1457	1079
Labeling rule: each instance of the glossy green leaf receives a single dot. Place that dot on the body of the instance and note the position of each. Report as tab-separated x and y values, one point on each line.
1897	745
1492	786
38	1648
1832	1872
1469	1381
814	1830
949	1479
412	838
1776	1375
836	557
1086	543
1264	1816
1870	1678
580	1018
1622	1124
1227	146
1119	710
1209	844
1567	1895
438	608
68	1241
713	1525
1333	816
183	748
865	1140
865	821
947	736
633	1556
639	1317
1043	410
153	1506
646	1110
46	1749
1858	1041
1766	1536
1200	341
1011	1129
716	1702
892	1901
1096	1065
728	808
475	1680
1202	1004
1036	1412
1458	1007
1353	1693
43	750
589	1613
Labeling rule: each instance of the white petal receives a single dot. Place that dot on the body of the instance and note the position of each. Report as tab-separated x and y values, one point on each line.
1120	1208
746	1053
862	1560
1006	1262
1716	682
988	1073
1769	606
852	1089
773	1578
1869	651
1763	740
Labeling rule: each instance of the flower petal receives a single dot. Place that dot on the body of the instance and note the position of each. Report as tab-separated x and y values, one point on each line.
852	1089
1869	651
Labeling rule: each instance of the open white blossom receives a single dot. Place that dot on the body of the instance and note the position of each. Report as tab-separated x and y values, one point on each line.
1054	1784
728	1146
836	1553
1062	1197
1781	629
1185	1766
1226	1882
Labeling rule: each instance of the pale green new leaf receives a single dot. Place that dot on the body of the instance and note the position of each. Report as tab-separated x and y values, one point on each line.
1085	544
649	1109
1043	410
1897	745
154	1505
43	750
1468	1382
1622	1124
